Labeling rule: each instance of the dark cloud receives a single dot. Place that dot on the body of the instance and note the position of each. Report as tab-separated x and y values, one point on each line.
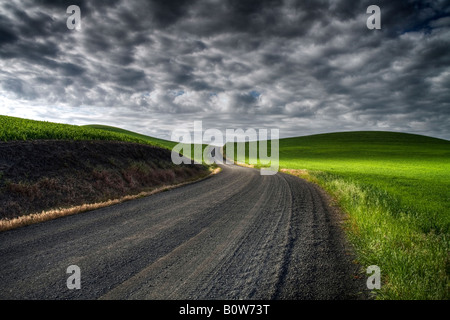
166	13
301	66
70	69
6	36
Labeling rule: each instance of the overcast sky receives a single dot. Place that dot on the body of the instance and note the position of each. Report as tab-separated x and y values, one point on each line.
303	67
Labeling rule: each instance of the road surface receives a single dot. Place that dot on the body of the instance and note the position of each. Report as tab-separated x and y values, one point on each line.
236	235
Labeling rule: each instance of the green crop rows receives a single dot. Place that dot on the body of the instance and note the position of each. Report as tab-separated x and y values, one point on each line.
12	128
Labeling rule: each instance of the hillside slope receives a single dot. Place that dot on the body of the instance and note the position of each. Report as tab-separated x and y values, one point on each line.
46	174
45	166
395	189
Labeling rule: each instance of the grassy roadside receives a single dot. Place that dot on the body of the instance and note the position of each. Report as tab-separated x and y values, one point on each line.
395	189
414	263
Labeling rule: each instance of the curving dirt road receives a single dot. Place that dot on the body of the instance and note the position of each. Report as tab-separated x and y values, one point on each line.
236	235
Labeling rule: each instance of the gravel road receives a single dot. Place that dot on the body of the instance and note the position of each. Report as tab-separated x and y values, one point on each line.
236	235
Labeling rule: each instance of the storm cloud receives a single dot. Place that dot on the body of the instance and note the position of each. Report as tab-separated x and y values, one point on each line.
304	67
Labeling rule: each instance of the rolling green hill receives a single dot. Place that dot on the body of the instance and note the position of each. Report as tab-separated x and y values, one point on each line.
15	129
18	129
395	188
414	169
154	141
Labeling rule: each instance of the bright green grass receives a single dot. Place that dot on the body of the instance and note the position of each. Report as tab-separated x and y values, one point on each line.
396	189
13	129
166	143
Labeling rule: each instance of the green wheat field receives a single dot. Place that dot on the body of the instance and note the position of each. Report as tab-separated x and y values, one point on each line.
395	190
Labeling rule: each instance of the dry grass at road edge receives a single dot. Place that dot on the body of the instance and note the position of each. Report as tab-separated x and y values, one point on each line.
9	224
